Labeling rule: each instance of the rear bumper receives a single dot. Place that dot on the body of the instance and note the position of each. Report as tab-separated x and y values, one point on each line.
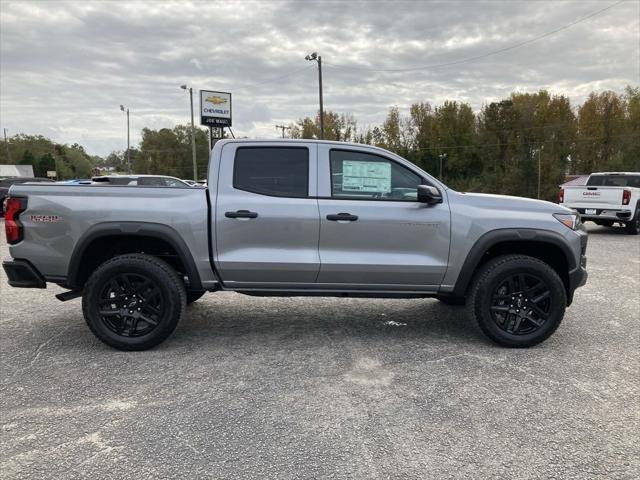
606	214
22	274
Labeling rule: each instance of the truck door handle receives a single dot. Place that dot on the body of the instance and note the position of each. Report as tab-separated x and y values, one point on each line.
241	214
342	217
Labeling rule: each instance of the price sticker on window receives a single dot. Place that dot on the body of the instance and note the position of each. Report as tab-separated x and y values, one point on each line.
368	177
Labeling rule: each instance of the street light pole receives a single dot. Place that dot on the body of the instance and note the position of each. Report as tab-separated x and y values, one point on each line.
6	145
539	169
317	58
126	110
441	157
193	135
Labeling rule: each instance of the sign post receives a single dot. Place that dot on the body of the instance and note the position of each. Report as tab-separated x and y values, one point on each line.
215	113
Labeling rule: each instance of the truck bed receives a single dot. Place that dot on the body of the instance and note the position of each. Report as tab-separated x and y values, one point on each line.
58	218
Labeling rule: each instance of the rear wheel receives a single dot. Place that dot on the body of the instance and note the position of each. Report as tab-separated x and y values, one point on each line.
517	301
633	227
133	302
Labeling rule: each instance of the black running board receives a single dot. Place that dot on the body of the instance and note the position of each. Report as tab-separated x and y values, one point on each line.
70	295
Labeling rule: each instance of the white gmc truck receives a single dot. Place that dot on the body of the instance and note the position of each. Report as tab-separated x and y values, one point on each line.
607	198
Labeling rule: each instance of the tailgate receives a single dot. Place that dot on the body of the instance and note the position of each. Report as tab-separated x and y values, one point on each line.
605	196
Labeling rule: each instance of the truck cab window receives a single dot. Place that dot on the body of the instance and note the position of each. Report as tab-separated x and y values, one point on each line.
360	175
274	171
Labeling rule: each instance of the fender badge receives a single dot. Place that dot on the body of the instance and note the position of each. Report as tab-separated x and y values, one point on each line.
45	218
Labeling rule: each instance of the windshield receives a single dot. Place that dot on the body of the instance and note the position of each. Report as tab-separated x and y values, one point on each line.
614	181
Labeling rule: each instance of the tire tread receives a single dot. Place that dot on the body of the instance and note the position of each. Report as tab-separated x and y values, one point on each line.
175	284
481	278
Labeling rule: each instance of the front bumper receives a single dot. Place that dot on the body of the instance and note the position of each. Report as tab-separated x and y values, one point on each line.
22	274
578	276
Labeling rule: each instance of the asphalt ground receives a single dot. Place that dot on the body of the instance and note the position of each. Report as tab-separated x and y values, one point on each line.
327	388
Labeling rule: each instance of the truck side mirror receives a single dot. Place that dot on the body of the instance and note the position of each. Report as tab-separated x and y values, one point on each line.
429	195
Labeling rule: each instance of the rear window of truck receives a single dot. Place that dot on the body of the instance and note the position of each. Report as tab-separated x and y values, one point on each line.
273	171
614	181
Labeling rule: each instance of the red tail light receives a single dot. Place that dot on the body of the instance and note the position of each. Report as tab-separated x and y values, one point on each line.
626	197
12	226
561	196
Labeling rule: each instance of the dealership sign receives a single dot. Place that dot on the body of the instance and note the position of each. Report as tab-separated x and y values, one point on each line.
215	108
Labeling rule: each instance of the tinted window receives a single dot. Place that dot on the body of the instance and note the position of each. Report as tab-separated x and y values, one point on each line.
280	172
151	181
172	182
120	180
367	176
614	181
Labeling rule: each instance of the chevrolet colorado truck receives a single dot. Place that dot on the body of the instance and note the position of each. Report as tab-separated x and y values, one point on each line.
607	198
295	218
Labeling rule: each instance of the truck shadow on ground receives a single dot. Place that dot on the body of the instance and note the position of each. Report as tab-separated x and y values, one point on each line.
293	319
598	230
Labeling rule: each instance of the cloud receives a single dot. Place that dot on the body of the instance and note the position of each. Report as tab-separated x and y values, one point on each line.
66	67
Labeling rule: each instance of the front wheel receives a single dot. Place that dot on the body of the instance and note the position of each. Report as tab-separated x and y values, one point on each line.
133	302
517	301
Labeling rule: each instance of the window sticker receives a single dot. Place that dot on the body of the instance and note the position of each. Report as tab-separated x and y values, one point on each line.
366	176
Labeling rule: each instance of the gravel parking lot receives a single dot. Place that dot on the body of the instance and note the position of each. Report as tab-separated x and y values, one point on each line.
327	388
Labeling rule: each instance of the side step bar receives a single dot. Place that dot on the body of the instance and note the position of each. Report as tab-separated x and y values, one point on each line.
70	295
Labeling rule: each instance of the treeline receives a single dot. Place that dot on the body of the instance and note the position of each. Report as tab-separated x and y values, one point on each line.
166	151
69	161
162	152
494	150
499	148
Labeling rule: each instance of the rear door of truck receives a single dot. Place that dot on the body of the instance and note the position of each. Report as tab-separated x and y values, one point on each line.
266	215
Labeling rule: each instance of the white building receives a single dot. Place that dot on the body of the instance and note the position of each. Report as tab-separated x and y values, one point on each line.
16	171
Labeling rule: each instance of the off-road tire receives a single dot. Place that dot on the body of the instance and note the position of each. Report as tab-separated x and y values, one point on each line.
485	285
168	294
194	295
633	227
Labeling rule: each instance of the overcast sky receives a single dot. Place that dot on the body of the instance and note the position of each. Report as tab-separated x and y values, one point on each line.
65	67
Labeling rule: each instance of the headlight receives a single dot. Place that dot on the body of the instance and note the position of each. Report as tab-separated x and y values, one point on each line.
570	220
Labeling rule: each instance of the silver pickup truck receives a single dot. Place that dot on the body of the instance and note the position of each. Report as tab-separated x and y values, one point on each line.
295	218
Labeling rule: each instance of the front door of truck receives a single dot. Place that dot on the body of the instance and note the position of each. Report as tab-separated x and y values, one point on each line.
373	231
266	215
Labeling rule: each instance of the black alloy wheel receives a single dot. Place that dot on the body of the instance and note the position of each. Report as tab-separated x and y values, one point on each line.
517	301
133	301
521	304
131	305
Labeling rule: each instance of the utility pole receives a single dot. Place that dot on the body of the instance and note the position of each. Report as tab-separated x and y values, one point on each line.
283	128
315	57
539	168
126	110
6	145
193	135
441	157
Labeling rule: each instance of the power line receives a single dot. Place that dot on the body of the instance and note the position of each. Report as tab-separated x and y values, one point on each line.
283	128
484	55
